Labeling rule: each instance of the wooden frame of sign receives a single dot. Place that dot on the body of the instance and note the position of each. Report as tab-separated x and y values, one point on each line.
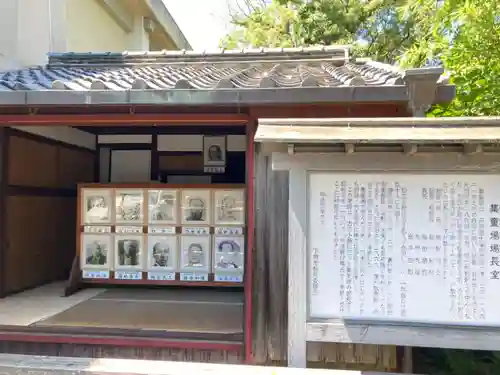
116	218
480	332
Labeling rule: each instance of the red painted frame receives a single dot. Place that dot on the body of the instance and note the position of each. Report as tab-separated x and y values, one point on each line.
159	119
247	330
118	341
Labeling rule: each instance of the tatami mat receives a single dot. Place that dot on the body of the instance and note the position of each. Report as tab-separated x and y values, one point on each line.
187	310
175	295
26	308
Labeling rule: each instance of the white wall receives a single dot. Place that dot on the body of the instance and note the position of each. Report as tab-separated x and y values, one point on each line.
8	34
135	165
29	29
91	28
175	142
64	134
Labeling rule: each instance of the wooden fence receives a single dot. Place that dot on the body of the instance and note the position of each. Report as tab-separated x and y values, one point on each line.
270	285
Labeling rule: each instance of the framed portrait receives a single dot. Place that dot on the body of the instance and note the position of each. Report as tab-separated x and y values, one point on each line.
229	207
128	251
162	206
96	206
96	250
196	205
195	253
229	253
214	150
162	252
129	206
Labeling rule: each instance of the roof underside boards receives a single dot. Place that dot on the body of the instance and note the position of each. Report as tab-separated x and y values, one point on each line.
323	74
382	130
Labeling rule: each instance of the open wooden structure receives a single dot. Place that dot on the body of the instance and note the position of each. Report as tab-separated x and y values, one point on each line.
414	152
135	102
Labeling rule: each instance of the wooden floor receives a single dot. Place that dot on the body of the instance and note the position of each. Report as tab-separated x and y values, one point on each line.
186	313
29	307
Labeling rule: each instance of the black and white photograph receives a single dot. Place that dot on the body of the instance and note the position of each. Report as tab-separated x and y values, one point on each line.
196	207
162	206
162	251
229	253
214	150
229	207
129	206
195	253
96	206
96	250
128	249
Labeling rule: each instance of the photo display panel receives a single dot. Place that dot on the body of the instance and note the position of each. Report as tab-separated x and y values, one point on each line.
402	247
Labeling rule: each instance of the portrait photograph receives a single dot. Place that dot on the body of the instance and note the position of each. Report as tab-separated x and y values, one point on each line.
96	206
129	206
195	253
229	253
162	252
128	251
214	151
196	207
162	206
95	251
229	207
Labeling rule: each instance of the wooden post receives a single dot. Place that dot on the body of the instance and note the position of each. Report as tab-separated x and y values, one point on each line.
4	176
297	269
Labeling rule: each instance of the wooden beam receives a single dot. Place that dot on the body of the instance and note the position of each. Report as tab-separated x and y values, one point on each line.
4	176
472	148
349	148
410	149
428	336
124	119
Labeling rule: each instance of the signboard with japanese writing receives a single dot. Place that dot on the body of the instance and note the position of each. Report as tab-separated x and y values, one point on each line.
401	247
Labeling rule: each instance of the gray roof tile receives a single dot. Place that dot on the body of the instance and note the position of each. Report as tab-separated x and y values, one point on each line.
206	70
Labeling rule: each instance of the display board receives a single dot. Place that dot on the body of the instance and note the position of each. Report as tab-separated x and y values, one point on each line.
401	247
161	233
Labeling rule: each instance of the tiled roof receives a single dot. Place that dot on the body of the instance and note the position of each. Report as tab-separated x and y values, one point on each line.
166	70
222	77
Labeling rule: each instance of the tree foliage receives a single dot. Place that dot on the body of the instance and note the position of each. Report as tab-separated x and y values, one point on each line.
382	29
467	41
462	35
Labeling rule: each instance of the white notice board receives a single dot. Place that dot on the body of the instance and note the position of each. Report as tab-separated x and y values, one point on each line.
401	247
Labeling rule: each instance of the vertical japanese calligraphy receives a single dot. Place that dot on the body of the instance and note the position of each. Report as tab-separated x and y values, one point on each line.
404	247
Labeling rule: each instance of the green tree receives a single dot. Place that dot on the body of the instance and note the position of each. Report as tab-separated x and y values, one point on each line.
381	29
462	35
262	25
466	38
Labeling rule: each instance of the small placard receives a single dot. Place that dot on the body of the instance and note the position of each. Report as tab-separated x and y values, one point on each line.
161	230
194	276
198	231
96	229
229	278
128	275
214	169
229	231
161	276
95	274
128	229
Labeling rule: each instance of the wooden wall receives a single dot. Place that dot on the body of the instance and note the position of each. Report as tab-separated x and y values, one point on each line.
270	276
271	284
40	208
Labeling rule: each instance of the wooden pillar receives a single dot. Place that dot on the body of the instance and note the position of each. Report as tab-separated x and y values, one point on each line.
4	163
249	249
297	268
